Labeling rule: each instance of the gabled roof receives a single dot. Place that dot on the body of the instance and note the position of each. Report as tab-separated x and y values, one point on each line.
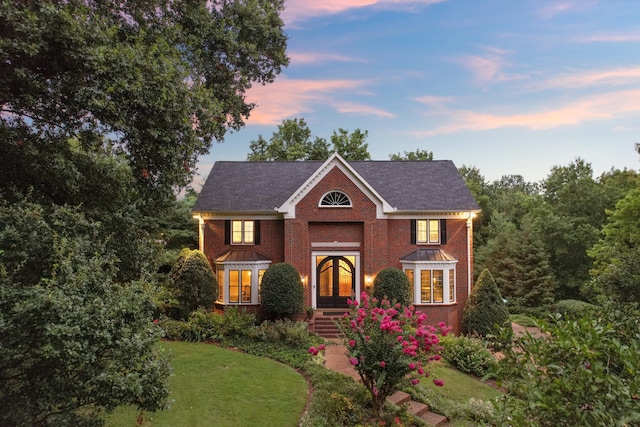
407	186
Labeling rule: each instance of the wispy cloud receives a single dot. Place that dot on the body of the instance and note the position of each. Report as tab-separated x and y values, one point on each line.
299	10
612	77
488	68
434	101
598	107
287	97
609	38
552	9
362	109
319	58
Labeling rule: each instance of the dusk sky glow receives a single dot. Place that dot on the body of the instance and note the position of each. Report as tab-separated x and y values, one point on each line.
510	87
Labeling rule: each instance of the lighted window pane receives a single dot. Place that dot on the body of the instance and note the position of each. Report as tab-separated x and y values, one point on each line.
246	285
220	285
421	231
345	279
425	285
412	285
434	231
260	275
236	231
234	285
452	286
248	231
438	276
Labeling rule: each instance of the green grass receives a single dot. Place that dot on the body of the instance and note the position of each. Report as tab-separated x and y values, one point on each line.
458	386
216	386
522	320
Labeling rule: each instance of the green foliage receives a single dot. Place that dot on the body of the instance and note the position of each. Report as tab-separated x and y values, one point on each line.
422	155
485	312
469	355
386	344
75	343
351	146
194	282
293	141
572	308
583	372
281	292
393	285
522	320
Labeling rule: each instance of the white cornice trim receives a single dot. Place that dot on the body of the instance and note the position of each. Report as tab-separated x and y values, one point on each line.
288	208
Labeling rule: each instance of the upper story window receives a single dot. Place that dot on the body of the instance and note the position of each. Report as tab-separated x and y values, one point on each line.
242	232
334	199
429	231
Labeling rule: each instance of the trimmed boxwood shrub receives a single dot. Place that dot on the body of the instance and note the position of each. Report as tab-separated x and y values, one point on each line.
281	292
469	355
485	312
193	281
392	284
572	308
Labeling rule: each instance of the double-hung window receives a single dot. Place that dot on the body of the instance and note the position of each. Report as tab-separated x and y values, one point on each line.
242	232
428	231
239	282
431	282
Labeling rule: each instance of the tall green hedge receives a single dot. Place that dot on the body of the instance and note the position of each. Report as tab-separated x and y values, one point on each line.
193	281
485	312
392	284
281	292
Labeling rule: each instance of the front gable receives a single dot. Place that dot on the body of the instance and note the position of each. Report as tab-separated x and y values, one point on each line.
335	169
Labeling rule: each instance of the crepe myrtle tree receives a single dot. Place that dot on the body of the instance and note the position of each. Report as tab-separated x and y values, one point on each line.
388	343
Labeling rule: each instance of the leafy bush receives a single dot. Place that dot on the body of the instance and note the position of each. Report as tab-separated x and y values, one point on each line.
485	313
286	332
393	285
522	320
194	282
572	308
584	373
281	292
469	355
386	344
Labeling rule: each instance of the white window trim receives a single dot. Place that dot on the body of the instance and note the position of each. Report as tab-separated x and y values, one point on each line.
254	267
320	205
243	242
419	266
428	241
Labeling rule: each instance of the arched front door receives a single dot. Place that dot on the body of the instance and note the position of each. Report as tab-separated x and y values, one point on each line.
336	280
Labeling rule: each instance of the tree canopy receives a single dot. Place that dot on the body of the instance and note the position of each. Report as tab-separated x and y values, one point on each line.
292	141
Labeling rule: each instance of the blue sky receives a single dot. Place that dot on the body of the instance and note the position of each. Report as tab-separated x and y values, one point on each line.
507	86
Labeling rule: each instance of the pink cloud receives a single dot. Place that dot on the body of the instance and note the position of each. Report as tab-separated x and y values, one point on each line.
613	77
318	58
298	10
287	98
598	107
488	68
611	38
362	109
434	101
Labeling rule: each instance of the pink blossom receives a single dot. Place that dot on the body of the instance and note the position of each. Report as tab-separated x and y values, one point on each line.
352	343
400	338
375	390
383	364
438	382
412	366
313	351
415	381
420	371
321	347
353	360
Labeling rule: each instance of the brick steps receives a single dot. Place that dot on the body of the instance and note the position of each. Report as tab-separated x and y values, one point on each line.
418	409
324	323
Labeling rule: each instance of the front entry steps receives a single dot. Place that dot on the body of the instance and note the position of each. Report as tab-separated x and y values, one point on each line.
324	322
418	409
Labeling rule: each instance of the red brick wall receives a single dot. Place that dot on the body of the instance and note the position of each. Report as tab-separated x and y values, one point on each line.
382	242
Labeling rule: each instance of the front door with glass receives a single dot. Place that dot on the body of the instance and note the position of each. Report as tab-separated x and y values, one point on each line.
336	280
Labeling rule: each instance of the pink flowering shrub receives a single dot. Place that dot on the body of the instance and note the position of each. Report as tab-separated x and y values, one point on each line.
389	344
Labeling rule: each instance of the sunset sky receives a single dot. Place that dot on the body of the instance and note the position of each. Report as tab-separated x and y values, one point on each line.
510	87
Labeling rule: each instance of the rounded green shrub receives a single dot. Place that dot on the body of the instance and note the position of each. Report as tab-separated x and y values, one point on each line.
572	308
193	281
485	313
281	292
393	285
469	355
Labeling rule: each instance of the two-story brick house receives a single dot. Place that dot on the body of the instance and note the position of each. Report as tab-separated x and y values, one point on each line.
339	223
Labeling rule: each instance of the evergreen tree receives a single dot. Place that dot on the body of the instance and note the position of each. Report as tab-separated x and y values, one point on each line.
485	312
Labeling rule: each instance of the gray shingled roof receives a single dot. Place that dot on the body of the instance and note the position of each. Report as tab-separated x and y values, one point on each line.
405	185
428	255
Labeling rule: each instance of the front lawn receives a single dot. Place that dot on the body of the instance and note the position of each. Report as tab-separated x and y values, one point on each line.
217	386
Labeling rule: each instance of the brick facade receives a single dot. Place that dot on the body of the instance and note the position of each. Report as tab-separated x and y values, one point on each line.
380	242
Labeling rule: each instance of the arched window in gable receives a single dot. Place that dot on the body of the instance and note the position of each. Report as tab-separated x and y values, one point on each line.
334	199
